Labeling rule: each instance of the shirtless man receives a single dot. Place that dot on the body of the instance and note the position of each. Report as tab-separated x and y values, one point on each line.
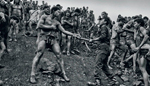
115	40
142	35
49	28
16	14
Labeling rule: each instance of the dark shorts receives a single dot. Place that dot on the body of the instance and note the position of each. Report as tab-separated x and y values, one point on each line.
50	40
16	18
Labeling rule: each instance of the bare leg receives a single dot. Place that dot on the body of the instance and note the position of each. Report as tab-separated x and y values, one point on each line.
63	43
124	48
11	34
16	31
57	52
68	45
30	28
142	64
110	56
39	54
134	61
3	49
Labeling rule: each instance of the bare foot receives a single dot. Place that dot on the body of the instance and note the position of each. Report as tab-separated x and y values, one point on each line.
68	53
134	68
109	67
33	80
66	78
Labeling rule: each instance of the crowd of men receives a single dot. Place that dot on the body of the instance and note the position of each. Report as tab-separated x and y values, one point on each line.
59	30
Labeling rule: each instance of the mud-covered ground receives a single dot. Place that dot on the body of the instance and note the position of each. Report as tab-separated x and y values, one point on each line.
79	68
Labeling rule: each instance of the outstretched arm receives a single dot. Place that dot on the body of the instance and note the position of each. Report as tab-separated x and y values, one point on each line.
103	34
64	31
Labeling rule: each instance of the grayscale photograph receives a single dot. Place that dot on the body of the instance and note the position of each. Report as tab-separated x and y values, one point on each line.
74	42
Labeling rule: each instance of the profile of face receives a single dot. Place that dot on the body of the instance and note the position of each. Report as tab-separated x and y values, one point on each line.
57	13
145	20
47	10
103	15
136	25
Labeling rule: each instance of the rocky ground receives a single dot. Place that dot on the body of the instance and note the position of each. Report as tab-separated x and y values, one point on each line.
79	68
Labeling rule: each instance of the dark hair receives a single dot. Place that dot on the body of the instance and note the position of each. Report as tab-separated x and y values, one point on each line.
140	21
107	20
45	7
105	13
77	10
55	8
67	12
145	17
10	0
121	19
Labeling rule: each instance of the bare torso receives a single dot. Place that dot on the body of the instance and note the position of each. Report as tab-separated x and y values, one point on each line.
16	10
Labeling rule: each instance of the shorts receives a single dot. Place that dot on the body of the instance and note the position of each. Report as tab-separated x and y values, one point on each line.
50	40
16	18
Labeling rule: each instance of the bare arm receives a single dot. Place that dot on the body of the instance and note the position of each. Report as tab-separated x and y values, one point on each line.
64	31
91	27
69	23
144	32
22	12
129	30
41	24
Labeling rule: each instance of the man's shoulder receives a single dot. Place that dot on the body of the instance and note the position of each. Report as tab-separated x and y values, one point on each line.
44	16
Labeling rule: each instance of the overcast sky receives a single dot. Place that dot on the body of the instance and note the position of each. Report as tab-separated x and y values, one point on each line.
112	7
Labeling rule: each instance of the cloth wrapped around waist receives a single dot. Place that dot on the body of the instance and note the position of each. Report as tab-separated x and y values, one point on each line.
48	38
